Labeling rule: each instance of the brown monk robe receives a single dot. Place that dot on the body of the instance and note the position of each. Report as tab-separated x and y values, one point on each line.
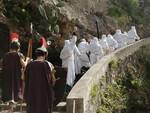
12	64
38	92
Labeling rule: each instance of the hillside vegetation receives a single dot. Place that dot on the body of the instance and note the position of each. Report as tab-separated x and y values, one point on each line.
128	86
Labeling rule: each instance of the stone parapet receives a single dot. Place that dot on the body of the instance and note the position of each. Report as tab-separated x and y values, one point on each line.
78	100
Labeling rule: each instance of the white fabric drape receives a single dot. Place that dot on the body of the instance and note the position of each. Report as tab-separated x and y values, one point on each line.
132	35
104	44
77	63
96	51
120	38
67	56
112	43
84	50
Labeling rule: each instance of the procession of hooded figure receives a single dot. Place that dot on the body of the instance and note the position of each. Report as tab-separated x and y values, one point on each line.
86	54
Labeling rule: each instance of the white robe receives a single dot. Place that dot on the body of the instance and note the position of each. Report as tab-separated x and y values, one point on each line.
77	63
112	43
120	38
96	51
67	56
125	34
104	44
84	49
132	35
92	55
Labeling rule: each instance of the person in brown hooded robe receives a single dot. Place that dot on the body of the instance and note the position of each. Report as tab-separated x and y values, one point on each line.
38	93
12	64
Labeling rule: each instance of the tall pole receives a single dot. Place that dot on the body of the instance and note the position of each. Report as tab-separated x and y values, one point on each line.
97	27
29	53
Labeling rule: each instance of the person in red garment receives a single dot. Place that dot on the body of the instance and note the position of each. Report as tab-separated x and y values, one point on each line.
12	64
39	79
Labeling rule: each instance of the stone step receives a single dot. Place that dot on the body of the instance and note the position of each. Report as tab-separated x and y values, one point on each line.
60	107
25	112
13	112
59	112
16	107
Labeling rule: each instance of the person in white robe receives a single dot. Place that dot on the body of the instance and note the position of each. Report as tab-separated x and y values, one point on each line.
77	54
125	35
132	35
96	51
104	44
92	55
83	47
112	43
67	56
120	38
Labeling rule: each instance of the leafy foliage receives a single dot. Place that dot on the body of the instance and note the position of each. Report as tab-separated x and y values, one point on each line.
43	16
17	11
129	93
113	64
108	100
115	12
129	10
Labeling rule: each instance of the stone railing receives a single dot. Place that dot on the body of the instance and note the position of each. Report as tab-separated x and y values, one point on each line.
78	100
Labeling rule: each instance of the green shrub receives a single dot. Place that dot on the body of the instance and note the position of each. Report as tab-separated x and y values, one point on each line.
94	91
113	64
130	91
114	12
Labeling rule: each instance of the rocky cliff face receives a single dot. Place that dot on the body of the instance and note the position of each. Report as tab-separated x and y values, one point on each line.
109	14
55	19
87	12
84	11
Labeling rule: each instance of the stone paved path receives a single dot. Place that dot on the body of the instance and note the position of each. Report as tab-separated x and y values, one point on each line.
25	112
17	108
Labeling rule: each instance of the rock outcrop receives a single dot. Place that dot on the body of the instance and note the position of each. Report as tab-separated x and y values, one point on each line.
108	14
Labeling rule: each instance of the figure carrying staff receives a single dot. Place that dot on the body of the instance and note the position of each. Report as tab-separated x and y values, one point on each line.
12	63
39	81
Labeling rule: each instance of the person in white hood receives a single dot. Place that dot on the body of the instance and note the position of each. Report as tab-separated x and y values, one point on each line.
125	34
132	35
112	43
77	54
120	38
84	50
104	44
96	51
67	56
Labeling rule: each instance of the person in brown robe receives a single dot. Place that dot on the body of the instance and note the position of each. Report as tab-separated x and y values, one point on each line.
12	63
38	93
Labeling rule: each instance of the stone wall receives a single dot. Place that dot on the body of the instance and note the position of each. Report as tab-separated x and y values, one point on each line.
78	101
